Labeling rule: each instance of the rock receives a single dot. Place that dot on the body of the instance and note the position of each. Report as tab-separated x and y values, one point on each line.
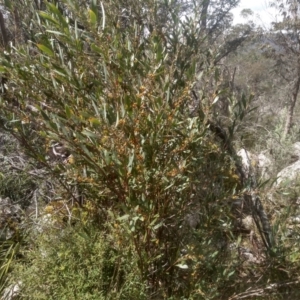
264	165
6	14
10	216
259	165
12	291
290	173
192	220
248	223
8	208
294	220
246	158
296	149
295	152
44	222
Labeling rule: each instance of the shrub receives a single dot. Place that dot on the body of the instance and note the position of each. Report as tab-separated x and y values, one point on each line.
119	99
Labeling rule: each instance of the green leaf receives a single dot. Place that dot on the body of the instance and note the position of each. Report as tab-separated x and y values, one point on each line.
56	12
130	162
76	30
215	254
47	17
252	109
56	32
44	115
123	218
89	133
45	49
59	70
157	226
7	3
95	122
216	100
182	266
231	273
68	111
93	17
95	48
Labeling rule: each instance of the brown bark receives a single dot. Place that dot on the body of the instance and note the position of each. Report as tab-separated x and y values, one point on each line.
18	31
3	31
203	17
5	43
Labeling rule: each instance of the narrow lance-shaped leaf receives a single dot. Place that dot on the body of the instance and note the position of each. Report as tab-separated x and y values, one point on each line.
130	162
92	17
215	100
55	32
68	111
56	12
47	17
103	16
45	49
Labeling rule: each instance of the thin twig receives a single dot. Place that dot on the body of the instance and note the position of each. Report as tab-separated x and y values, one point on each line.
263	291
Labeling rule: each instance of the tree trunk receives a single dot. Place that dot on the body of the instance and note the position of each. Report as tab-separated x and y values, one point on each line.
295	91
3	31
296	84
18	28
203	17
